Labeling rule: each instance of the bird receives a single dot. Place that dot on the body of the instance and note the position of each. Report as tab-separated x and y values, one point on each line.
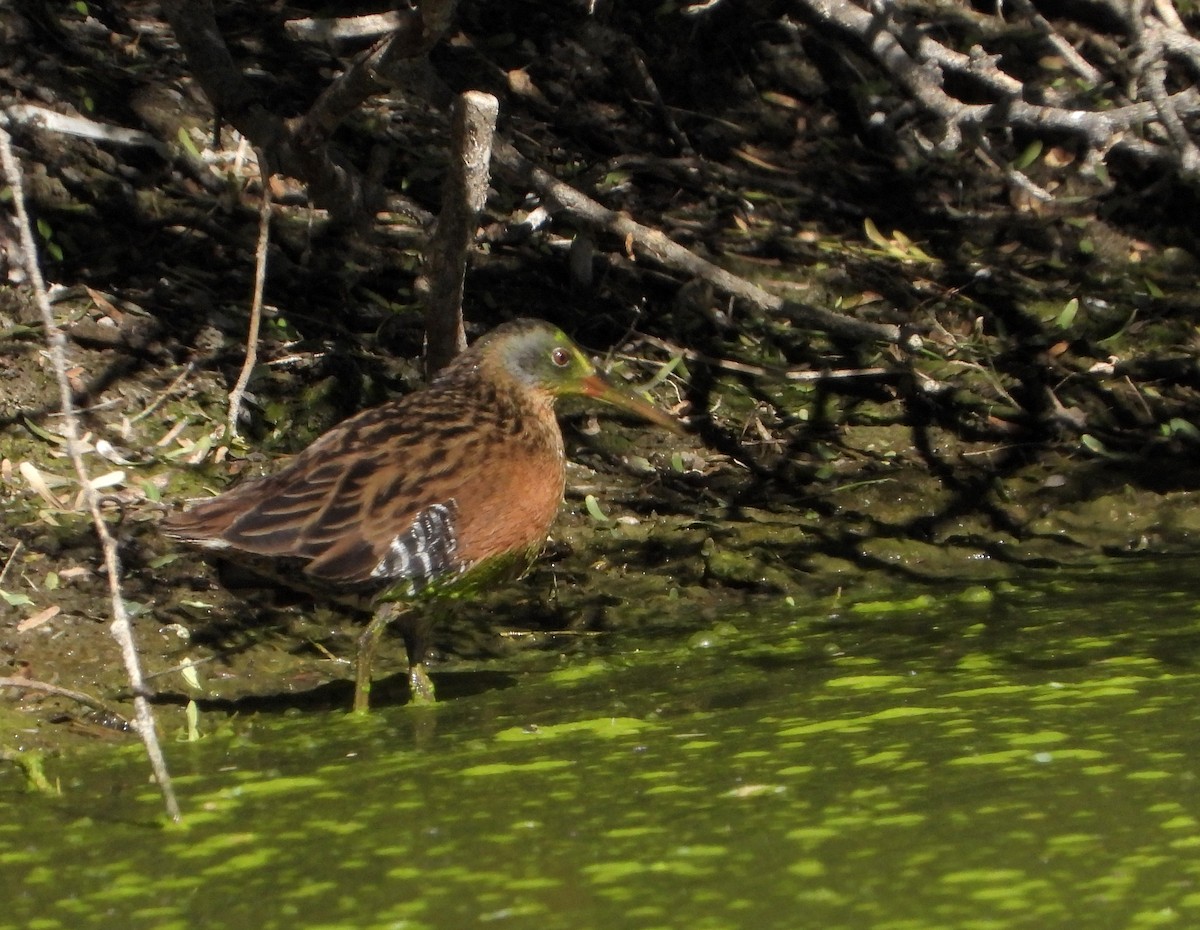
428	498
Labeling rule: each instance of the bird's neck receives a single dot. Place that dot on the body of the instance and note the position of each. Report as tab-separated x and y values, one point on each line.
484	386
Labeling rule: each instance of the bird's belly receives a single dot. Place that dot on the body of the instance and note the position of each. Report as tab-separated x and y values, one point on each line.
511	512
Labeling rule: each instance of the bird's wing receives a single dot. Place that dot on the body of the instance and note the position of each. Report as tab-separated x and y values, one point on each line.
422	552
366	504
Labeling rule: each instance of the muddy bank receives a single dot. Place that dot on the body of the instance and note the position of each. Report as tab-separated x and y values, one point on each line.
1044	415
687	537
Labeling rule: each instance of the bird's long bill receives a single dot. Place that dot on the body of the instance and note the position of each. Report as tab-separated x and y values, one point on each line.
601	388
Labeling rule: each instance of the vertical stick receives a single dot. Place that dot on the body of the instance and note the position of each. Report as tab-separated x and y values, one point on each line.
121	628
465	192
260	280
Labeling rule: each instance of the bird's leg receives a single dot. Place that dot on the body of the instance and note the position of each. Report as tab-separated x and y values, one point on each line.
414	627
368	641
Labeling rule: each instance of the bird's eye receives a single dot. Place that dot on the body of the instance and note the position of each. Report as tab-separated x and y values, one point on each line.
560	357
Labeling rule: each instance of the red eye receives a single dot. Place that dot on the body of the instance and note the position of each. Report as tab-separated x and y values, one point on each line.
560	357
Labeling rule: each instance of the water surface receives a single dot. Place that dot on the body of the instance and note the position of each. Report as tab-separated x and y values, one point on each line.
951	758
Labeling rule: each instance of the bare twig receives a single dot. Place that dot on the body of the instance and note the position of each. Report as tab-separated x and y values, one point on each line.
463	198
1152	67
165	395
16	550
260	278
371	73
629	63
664	112
795	375
121	628
332	184
1080	64
79	697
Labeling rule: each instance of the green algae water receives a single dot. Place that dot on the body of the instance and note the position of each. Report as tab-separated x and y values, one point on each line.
951	758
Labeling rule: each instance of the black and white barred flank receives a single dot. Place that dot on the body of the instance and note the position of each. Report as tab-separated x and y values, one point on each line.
424	551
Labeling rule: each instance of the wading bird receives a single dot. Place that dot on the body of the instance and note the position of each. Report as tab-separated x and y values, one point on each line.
436	495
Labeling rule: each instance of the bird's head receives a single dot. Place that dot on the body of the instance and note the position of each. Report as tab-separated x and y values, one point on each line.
542	358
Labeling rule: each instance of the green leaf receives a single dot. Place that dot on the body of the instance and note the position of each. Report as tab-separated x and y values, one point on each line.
875	235
664	371
42	433
1067	315
1181	427
188	671
186	141
15	600
918	254
593	508
1029	156
193	722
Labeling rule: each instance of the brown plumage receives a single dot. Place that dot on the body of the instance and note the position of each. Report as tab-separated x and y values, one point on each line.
424	496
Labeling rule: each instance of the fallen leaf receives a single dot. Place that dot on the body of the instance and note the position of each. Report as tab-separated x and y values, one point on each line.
30	473
782	100
108	480
105	305
750	154
39	618
109	452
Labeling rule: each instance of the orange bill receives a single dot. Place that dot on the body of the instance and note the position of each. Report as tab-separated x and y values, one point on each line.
602	389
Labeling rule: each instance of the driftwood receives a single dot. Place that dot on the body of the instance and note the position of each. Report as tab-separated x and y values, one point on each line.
301	148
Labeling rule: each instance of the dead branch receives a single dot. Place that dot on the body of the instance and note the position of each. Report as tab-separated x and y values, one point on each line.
652	244
56	341
1147	123
39	117
343	28
463	197
302	148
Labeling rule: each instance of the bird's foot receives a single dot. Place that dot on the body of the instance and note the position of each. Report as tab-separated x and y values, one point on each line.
362	693
420	685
